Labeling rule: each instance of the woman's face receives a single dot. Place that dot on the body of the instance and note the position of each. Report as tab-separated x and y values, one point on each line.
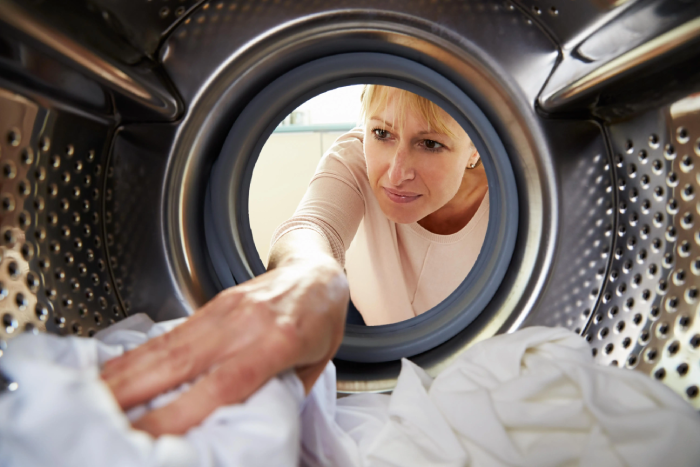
413	170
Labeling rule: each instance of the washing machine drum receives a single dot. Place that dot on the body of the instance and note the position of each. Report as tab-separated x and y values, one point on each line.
128	150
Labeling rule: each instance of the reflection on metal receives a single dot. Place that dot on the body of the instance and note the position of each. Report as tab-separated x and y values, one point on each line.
136	170
32	66
145	23
626	63
648	315
53	270
689	105
586	218
19	309
101	68
640	23
570	22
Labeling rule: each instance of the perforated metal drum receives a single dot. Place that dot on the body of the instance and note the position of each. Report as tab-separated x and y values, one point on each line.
112	114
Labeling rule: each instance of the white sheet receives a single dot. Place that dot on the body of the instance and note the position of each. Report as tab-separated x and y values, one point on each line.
532	398
63	415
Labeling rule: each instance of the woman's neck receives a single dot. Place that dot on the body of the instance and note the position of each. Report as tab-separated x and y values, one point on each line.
456	214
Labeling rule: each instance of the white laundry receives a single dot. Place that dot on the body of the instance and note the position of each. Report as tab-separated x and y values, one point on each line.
531	398
62	414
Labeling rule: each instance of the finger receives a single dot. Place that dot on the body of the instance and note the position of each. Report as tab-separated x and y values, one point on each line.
148	353
146	380
150	350
142	358
168	361
309	374
231	382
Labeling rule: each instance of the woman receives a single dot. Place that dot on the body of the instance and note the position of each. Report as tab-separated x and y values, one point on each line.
409	192
421	168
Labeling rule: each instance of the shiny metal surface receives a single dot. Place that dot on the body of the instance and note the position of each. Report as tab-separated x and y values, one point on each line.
245	31
683	36
18	284
607	242
571	22
137	168
584	228
640	39
134	85
648	313
37	70
53	273
145	23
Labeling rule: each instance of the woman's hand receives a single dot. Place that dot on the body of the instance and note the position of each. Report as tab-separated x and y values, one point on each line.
290	317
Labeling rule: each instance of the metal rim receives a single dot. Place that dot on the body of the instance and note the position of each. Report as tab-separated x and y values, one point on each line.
231	175
507	103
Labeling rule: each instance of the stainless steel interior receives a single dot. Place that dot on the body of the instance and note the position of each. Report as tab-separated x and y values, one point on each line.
112	112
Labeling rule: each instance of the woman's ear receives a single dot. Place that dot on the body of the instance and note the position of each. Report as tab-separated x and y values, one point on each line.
474	160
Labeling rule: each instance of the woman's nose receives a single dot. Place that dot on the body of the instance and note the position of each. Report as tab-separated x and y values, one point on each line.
401	169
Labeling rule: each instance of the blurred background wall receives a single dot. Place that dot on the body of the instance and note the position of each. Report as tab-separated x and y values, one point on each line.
289	159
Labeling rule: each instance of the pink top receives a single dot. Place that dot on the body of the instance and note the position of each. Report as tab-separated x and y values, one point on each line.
395	271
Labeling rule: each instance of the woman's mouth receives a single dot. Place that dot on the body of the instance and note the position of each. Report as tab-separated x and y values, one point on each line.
401	196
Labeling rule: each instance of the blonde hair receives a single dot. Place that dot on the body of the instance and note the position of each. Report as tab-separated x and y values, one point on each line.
375	97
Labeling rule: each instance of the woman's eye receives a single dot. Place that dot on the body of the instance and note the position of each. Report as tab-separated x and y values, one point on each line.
381	134
430	144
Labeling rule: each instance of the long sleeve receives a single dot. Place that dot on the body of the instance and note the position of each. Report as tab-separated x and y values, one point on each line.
333	205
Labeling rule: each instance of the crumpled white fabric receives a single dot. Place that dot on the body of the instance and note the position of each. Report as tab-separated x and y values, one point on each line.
62	414
531	398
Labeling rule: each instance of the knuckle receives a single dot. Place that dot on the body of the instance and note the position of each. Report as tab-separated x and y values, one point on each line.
181	360
153	423
122	390
229	295
165	341
226	382
289	332
246	374
225	300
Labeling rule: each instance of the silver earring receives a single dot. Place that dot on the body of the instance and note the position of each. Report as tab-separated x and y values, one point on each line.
471	166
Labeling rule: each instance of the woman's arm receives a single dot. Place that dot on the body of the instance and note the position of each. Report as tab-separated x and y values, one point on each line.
301	245
292	316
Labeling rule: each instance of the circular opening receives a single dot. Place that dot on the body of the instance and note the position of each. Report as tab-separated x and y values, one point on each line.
290	157
227	224
403	255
